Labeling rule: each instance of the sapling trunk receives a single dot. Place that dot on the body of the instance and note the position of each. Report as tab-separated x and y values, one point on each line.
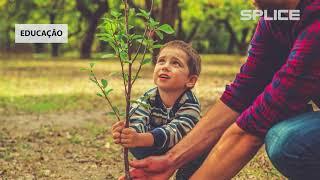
116	31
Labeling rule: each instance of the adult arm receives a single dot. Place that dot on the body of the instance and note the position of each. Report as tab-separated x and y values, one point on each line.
235	148
253	76
292	87
204	135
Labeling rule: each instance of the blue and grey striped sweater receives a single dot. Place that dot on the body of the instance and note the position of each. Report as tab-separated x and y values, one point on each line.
167	126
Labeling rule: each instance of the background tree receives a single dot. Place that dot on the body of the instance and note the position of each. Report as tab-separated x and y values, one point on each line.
12	12
92	11
212	26
53	10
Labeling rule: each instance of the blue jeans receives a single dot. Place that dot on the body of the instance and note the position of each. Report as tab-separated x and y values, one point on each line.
293	146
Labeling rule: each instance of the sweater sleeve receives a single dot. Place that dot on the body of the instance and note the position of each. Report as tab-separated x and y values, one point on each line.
292	86
256	73
185	119
140	114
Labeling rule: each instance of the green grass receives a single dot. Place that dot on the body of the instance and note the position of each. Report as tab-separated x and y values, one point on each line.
41	86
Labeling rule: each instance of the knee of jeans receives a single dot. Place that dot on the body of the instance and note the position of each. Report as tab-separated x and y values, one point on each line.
272	146
282	148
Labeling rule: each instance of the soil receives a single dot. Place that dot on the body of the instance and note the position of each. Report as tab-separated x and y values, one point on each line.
73	145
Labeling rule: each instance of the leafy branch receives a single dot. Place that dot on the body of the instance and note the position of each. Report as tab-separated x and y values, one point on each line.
121	36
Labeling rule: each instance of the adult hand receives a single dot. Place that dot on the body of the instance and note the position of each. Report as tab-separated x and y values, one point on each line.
152	168
116	131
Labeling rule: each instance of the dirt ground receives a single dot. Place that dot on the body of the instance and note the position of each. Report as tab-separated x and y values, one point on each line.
74	145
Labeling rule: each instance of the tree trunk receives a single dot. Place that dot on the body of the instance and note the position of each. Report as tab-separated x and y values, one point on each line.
180	33
231	45
168	15
92	19
38	47
8	40
88	39
54	46
52	15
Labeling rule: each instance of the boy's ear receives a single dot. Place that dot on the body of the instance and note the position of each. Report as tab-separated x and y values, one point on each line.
192	81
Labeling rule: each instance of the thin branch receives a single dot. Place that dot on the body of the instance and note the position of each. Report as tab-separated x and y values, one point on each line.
144	34
136	76
105	95
121	63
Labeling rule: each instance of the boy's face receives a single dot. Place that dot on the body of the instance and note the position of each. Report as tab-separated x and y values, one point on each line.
171	72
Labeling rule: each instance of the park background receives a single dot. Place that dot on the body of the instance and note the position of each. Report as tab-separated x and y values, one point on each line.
52	124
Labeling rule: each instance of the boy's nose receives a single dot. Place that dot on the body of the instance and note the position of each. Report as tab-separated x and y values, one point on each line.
165	67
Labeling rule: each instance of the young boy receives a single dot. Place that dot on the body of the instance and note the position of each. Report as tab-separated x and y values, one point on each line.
172	109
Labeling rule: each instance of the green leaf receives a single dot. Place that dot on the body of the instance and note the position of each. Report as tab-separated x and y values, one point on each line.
153	23
115	14
115	109
140	14
108	91
156	46
144	13
132	10
106	56
104	83
123	55
138	77
130	27
111	113
146	61
160	35
91	64
127	61
166	28
84	69
99	94
135	37
117	74
126	78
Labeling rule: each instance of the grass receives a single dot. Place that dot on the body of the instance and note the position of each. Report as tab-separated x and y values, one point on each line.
41	86
37	86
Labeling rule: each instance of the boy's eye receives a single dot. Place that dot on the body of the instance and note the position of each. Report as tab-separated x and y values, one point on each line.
160	60
176	63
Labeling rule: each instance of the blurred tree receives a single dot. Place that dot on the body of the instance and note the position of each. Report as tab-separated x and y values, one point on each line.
12	12
227	13
52	9
92	11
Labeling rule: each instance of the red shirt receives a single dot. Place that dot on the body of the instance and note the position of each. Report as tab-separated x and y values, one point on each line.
281	74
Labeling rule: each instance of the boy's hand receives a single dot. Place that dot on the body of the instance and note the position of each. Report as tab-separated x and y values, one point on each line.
130	138
117	129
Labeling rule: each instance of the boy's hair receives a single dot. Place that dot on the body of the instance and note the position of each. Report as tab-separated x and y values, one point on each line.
194	61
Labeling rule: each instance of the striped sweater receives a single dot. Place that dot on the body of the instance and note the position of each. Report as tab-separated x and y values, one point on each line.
167	126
